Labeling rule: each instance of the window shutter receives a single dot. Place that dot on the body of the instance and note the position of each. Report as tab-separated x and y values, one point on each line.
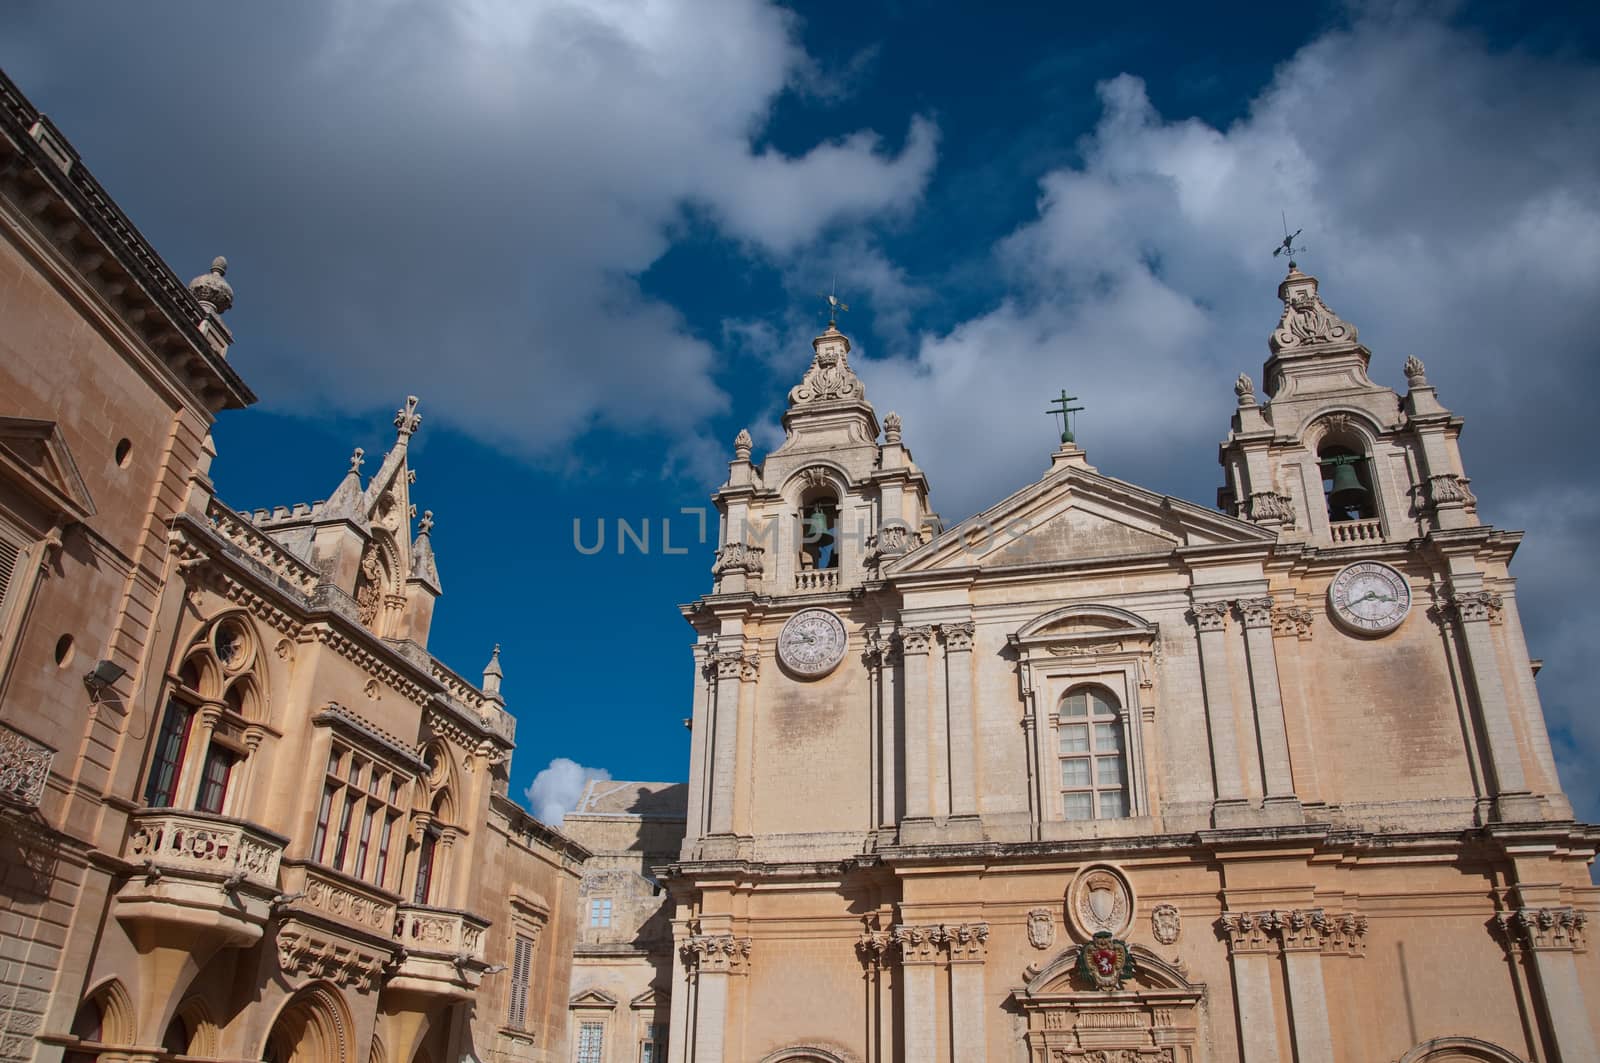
10	554
521	970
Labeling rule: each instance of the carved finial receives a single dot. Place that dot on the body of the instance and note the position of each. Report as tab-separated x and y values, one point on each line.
1245	388
1416	372
425	525
407	419
492	674
742	444
213	292
356	458
891	427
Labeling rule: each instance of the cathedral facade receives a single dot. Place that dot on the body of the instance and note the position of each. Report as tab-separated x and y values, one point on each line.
1105	776
244	813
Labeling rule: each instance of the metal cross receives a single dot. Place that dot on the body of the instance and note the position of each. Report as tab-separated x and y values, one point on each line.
1064	413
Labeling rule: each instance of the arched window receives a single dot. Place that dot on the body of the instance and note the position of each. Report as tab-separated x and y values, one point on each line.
1346	483
819	530
1094	765
225	654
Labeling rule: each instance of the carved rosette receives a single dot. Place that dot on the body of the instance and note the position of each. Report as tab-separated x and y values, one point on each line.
1560	928
1210	616
739	557
1255	612
957	637
915	639
1447	490
1270	507
716	954
1475	606
1293	620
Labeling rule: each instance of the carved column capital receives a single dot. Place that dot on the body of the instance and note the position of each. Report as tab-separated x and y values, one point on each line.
874	948
1248	932
716	954
1255	612
957	637
1473	607
739	557
1210	616
915	639
1302	929
967	942
1546	929
729	664
1292	620
749	667
918	944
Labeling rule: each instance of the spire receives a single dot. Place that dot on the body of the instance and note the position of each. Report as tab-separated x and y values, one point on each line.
346	498
422	563
214	294
492	675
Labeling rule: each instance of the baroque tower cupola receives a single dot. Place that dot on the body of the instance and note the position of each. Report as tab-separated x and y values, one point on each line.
1328	456
826	508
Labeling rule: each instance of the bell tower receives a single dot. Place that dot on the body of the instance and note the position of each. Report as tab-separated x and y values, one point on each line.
823	512
1331	457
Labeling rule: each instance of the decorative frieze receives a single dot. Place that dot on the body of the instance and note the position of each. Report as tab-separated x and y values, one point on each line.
716	954
1164	1054
24	767
1560	928
314	957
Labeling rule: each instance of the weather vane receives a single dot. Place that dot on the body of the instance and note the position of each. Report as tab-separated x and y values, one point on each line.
1288	247
1065	413
835	307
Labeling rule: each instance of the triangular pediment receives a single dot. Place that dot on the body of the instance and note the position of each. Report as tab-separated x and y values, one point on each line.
1076	515
36	454
650	998
592	998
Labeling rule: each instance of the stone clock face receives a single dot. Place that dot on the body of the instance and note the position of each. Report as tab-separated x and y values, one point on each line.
812	643
1369	598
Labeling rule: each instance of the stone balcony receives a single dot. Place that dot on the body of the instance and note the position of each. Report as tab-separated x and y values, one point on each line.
201	871
1355	532
441	952
817	579
313	889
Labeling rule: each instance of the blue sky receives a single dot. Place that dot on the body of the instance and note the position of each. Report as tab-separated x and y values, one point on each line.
590	235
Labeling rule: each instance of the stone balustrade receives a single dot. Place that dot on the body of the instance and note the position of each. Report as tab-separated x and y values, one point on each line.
1356	531
817	579
421	929
168	841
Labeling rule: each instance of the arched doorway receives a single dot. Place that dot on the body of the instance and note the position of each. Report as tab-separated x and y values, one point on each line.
1151	1018
1458	1050
314	1027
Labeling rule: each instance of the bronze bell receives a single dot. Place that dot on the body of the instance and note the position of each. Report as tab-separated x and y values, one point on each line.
1348	491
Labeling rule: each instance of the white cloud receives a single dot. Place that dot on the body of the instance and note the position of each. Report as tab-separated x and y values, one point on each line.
458	200
555	791
1452	210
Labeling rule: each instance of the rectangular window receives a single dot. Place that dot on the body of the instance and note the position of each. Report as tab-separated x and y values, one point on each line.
171	741
341	841
425	869
591	1042
383	851
320	838
1092	744
600	912
655	1045
1075	771
1078	806
521	969
1074	738
214	779
365	843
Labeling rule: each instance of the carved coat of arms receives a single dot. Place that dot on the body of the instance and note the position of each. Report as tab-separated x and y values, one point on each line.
1041	928
1164	923
1105	962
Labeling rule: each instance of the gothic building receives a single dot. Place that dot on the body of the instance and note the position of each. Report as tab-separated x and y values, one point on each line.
1105	776
244	813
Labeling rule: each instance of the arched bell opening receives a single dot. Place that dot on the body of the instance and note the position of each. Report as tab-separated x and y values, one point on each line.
1347	486
819	529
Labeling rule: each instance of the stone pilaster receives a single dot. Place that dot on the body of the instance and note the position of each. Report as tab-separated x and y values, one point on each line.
700	724
1276	777
914	645
1472	613
962	747
724	740
1302	931
1250	955
1211	623
1550	937
711	959
920	953
968	944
